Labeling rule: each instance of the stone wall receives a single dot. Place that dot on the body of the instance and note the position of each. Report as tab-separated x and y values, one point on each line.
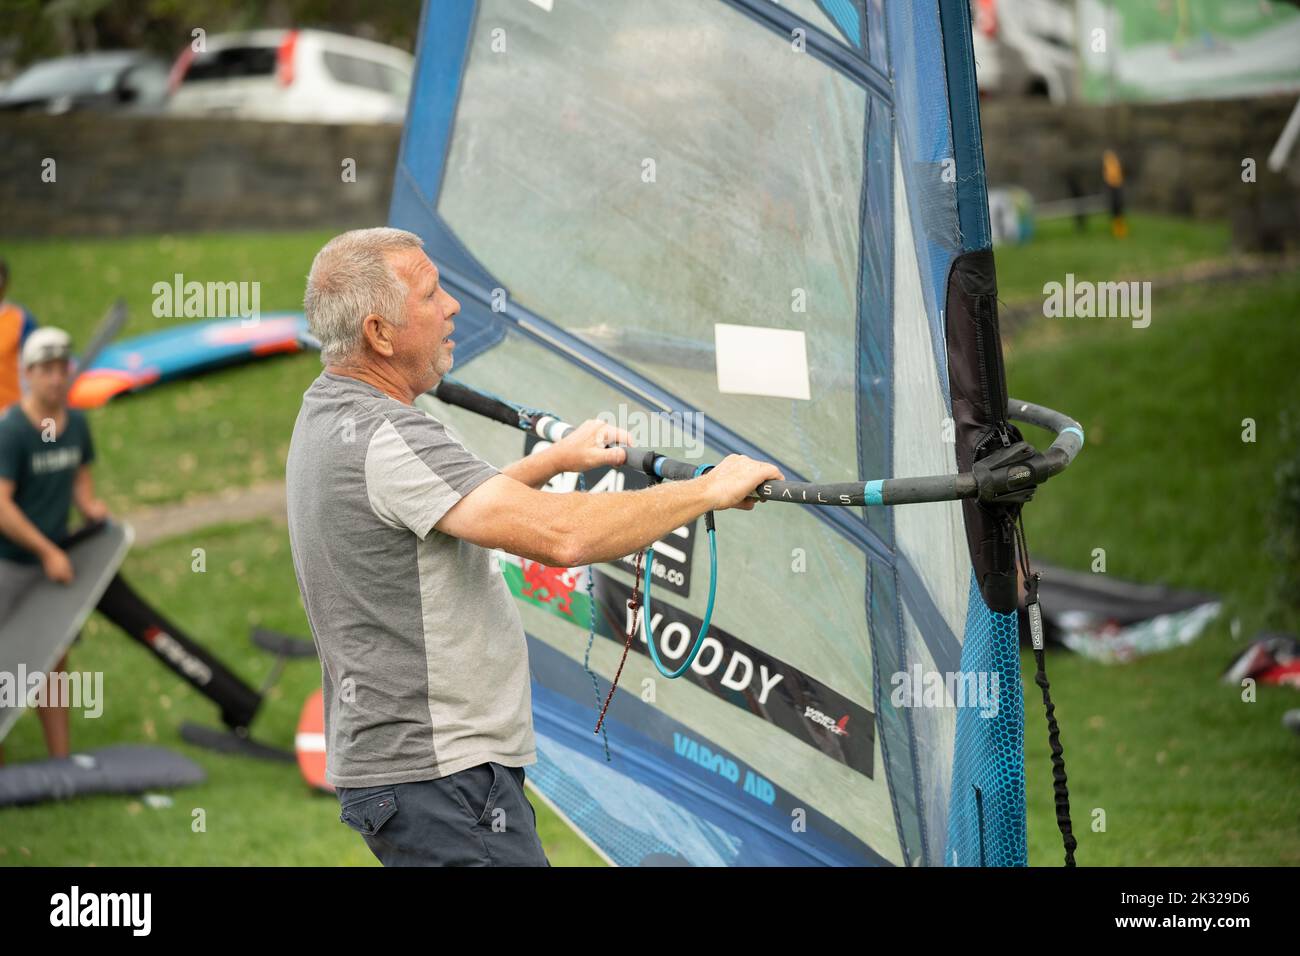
118	175
1179	158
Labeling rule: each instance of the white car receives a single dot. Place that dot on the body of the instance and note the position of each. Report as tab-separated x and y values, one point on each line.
1025	48
108	81
308	76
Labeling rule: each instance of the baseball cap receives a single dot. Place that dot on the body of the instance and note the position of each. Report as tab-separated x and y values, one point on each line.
46	345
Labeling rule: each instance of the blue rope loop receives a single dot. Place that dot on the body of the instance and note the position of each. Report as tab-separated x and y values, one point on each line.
708	610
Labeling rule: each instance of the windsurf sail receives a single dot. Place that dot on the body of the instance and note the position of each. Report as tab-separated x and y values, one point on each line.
742	226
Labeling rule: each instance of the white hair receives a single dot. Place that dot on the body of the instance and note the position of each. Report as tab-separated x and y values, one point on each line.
352	277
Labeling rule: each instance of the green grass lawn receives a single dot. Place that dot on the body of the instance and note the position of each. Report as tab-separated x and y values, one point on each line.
1184	771
1155	244
254	812
227	429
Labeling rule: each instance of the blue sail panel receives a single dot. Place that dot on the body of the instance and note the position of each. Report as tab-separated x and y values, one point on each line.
619	192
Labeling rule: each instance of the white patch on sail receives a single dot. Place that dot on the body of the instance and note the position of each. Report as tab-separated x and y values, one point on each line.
762	361
547	5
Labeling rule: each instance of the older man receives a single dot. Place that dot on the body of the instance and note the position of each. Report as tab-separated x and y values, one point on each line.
428	713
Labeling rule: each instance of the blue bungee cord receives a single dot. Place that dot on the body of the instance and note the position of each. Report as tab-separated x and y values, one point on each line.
708	609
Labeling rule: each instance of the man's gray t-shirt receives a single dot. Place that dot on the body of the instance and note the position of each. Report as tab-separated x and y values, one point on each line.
423	656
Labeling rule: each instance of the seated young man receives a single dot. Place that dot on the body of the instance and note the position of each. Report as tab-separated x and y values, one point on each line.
45	457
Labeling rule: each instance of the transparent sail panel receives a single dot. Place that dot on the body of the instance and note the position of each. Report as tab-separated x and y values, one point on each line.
789	590
643	173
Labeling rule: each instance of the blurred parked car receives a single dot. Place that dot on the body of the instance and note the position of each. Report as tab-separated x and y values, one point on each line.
123	81
309	76
1025	48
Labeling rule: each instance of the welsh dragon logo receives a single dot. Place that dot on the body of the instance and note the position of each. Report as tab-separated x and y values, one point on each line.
557	583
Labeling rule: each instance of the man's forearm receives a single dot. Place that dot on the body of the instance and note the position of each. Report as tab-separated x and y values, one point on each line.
604	527
533	470
15	526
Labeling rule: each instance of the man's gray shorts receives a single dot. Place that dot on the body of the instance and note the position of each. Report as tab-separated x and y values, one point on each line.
478	817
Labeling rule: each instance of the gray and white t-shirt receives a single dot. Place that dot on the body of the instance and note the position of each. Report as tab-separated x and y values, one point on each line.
423	657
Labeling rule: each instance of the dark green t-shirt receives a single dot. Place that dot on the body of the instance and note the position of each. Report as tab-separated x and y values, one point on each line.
43	473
